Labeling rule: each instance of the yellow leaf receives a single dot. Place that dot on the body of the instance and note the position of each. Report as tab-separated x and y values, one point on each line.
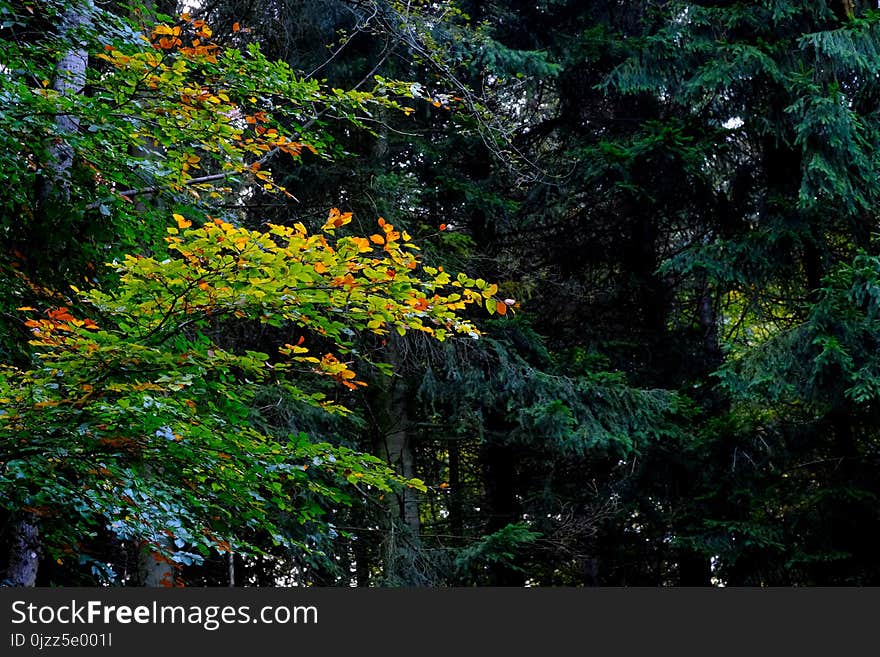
181	221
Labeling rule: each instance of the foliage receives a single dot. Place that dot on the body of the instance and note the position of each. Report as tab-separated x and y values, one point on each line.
169	115
133	405
667	208
500	547
133	417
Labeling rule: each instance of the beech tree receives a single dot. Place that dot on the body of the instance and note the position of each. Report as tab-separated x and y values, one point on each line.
100	436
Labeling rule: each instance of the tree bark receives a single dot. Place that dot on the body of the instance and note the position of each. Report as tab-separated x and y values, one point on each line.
24	552
154	570
70	79
394	446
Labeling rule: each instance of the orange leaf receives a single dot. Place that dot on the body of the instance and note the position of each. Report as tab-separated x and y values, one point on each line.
181	221
363	244
236	27
335	219
60	315
501	308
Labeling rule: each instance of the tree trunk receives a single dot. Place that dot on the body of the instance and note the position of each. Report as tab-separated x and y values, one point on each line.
395	447
499	466
154	569
70	79
53	191
24	552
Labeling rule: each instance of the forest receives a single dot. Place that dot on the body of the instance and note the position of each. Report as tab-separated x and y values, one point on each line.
451	293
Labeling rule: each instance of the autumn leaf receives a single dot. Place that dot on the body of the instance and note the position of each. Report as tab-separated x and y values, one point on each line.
182	221
490	291
336	219
362	243
60	315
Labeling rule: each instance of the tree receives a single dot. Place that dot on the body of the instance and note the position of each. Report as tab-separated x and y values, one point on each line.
117	453
772	109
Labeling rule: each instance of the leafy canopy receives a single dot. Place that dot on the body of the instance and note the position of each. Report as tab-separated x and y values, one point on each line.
133	416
